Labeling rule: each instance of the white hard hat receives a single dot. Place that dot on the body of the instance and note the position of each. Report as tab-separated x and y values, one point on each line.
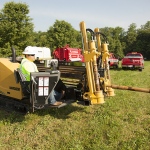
29	50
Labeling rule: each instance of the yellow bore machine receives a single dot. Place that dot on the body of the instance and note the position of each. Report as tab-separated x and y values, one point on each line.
98	76
97	79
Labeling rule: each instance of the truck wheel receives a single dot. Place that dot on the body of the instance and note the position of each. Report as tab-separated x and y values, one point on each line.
140	69
117	66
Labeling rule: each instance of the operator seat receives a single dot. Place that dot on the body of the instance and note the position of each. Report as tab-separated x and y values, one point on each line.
20	78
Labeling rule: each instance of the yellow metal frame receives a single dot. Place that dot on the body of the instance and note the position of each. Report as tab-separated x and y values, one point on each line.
8	85
92	50
95	95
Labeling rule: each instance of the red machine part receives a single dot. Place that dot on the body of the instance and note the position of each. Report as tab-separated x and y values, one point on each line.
68	54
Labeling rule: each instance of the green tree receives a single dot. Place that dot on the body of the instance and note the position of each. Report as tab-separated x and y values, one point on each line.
15	26
114	36
62	33
130	39
142	41
40	39
146	26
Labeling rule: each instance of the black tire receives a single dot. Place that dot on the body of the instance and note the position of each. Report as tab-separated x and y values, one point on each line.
117	66
140	69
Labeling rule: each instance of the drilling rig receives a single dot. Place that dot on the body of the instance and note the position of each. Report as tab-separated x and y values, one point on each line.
97	81
18	94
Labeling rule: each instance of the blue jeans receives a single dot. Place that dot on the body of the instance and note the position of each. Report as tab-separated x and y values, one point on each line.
54	96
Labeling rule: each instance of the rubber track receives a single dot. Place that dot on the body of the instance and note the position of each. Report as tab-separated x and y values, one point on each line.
10	104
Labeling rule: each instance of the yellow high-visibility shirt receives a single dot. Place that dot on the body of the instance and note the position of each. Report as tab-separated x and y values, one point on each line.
26	67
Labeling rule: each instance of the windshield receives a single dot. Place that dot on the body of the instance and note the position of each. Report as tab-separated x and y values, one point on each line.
134	56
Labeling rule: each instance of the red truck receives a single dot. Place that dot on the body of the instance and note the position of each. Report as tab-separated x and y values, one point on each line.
133	60
113	61
68	54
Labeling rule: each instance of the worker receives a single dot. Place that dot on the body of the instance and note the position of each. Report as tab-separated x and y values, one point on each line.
28	65
59	91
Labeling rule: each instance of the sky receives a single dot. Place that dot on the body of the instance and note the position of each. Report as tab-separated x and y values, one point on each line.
95	13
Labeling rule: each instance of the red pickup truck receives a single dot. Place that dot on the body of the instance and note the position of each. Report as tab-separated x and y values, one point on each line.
133	60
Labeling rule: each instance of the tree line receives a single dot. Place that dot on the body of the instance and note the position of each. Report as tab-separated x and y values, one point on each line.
17	30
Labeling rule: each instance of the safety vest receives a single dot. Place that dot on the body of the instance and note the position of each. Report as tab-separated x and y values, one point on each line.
26	67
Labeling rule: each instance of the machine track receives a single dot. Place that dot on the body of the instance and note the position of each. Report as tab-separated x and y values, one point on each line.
10	104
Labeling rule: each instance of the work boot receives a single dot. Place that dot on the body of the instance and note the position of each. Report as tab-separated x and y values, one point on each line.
56	104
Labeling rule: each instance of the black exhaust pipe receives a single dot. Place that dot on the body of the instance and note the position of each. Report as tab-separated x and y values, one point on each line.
13	54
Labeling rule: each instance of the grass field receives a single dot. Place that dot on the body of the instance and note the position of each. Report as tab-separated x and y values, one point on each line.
121	123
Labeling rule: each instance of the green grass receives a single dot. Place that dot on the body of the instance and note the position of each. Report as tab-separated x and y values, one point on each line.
121	123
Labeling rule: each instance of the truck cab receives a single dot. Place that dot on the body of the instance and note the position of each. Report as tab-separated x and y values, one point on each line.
113	61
